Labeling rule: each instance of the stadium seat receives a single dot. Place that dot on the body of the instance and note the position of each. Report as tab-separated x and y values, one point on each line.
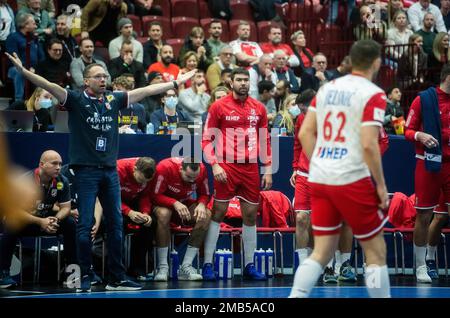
136	23
234	26
185	8
241	10
165	7
203	9
142	39
225	30
176	45
165	22
335	52
102	53
181	26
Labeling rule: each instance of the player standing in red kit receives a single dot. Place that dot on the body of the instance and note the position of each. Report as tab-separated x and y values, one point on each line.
235	135
340	137
428	124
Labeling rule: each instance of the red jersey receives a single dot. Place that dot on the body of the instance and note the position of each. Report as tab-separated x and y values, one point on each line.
383	141
238	130
269	48
130	190
169	73
301	161
414	123
170	187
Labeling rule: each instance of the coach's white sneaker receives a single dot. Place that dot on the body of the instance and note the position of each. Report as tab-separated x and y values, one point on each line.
188	272
162	274
422	275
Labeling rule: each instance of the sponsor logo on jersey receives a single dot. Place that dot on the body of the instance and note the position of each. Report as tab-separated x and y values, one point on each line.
334	153
232	118
378	114
173	189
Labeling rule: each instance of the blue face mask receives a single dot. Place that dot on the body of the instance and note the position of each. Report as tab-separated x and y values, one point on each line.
294	111
171	102
45	103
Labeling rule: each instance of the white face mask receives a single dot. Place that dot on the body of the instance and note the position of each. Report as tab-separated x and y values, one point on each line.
171	102
294	111
45	103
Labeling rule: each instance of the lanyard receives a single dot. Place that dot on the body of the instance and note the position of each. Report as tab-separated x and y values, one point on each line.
68	50
167	118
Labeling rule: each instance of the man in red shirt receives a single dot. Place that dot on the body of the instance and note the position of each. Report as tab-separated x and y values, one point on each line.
235	135
181	186
275	43
166	67
136	193
428	123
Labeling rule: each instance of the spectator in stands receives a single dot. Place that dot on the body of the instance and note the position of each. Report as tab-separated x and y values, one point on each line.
189	62
126	63
427	127
86	58
416	14
393	109
412	66
45	24
136	191
225	78
246	52
44	220
99	20
53	68
131	119
378	6
216	94
215	32
194	100
70	45
333	10
263	10
125	28
445	11
152	103
154	44
304	54
266	91
196	42
284	72
393	7
438	57
343	69
47	5
399	32
8	23
18	42
261	71
147	7
275	43
213	75
369	27
282	91
427	34
181	191
169	115
287	115
319	70
165	67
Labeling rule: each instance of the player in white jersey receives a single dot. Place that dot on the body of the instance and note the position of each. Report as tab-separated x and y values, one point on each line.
340	136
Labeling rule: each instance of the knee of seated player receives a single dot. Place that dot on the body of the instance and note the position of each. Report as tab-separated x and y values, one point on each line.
441	219
302	220
163	215
204	224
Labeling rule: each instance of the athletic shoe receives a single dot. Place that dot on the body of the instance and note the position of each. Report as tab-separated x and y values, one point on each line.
347	273
123	285
432	269
208	272
6	280
145	278
162	274
329	277
188	272
251	273
85	285
95	279
422	275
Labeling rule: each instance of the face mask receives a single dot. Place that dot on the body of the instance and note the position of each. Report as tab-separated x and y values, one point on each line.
45	103
294	111
171	102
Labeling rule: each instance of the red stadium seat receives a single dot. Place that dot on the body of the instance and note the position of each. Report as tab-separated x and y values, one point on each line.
185	8
241	10
181	26
102	53
335	52
137	27
165	22
234	26
142	39
225	31
176	45
203	9
165	7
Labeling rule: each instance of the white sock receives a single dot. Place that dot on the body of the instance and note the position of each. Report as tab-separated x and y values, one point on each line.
345	257
431	252
249	238
162	256
420	255
191	253
330	263
338	261
377	281
211	241
305	278
302	254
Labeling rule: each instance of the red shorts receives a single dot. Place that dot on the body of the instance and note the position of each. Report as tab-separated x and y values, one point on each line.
428	185
302	194
175	219
442	206
242	182
355	203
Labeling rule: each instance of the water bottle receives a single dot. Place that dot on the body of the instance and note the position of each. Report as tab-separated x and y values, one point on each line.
283	131
174	265
228	263
150	130
259	260
269	263
217	259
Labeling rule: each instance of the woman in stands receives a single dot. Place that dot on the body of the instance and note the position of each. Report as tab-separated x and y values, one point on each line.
188	62
398	34
216	94
412	66
304	54
287	115
439	57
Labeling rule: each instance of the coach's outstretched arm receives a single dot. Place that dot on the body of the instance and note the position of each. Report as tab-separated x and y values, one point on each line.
39	81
